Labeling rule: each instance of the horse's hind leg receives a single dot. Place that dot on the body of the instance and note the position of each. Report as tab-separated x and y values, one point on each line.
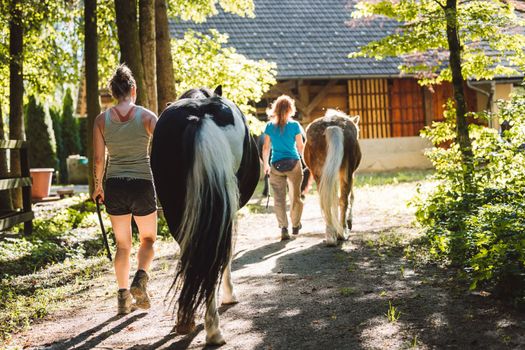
211	322
343	205
185	328
350	214
228	296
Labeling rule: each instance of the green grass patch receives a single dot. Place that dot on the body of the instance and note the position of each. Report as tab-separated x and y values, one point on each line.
40	270
390	178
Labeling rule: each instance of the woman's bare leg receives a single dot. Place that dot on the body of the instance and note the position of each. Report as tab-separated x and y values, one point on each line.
122	228
148	235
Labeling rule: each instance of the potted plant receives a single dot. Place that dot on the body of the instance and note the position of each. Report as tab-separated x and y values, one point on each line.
42	156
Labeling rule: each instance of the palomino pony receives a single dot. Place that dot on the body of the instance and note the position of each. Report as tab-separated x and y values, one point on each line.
332	153
205	167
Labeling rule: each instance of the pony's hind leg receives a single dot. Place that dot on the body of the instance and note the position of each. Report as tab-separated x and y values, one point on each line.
211	323
350	214
343	206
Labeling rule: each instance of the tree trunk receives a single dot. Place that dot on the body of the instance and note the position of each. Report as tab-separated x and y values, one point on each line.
5	196
147	44
16	89
92	96
455	49
165	74
128	38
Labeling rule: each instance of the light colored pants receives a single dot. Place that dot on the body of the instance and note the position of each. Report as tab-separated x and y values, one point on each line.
278	181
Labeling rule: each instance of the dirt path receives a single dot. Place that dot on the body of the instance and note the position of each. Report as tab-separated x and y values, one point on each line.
302	295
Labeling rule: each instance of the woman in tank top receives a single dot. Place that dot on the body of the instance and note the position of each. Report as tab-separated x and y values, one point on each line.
125	130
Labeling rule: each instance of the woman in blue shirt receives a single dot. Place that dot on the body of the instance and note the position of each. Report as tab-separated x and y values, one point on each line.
283	135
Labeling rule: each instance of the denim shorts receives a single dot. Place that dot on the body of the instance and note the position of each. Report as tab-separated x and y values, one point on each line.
124	196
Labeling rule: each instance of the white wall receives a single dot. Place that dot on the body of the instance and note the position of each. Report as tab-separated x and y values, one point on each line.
393	154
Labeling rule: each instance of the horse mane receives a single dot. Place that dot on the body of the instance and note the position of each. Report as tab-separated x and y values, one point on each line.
197	93
333	113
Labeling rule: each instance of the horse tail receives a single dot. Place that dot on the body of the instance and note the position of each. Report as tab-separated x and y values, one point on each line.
328	186
212	199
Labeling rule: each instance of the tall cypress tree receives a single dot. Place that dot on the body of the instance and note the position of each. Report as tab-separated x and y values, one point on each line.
56	118
70	134
39	136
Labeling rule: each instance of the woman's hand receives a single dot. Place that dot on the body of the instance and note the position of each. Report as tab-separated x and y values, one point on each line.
98	192
266	169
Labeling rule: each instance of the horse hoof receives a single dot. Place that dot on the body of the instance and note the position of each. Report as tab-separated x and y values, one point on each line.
331	243
185	328
216	339
230	300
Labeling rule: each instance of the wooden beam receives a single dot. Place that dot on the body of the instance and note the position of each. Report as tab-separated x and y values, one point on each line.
298	103
6	184
12	144
16	218
320	96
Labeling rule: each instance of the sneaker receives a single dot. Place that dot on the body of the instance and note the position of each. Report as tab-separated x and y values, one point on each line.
284	234
295	230
124	302
139	291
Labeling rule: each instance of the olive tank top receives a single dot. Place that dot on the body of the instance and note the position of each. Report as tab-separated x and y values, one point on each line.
128	144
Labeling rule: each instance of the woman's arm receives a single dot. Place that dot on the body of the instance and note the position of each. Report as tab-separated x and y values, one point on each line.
300	144
149	121
266	154
99	157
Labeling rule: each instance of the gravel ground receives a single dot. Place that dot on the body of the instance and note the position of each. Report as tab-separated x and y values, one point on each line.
301	294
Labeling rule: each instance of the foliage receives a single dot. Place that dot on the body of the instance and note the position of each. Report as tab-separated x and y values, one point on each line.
39	136
51	48
56	118
480	229
202	60
491	44
70	134
199	10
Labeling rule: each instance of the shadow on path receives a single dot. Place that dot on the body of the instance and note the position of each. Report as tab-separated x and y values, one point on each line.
88	336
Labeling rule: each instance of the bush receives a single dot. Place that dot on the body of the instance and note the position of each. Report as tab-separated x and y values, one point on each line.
70	133
40	136
56	117
480	228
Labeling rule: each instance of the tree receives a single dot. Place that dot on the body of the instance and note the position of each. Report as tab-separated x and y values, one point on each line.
70	136
56	119
147	44
92	99
128	38
201	60
39	136
479	36
16	87
165	85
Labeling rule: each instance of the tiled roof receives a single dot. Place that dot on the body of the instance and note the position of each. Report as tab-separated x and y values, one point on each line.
306	38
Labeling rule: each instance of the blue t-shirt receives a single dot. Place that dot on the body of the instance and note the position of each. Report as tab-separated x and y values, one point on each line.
283	142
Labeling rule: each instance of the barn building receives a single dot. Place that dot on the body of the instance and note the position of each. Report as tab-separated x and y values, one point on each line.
310	41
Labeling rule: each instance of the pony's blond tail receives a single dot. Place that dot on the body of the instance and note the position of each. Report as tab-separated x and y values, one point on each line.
329	184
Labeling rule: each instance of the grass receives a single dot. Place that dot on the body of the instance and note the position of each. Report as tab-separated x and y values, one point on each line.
392	313
391	178
60	258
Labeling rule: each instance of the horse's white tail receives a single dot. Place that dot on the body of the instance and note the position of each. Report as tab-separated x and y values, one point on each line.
329	184
212	200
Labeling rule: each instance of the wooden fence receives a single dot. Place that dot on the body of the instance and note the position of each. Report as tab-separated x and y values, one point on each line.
25	214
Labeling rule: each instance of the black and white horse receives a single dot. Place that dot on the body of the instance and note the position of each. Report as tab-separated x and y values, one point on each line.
205	167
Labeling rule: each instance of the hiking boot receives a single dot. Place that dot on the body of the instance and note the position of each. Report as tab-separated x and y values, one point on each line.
139	291
124	302
284	234
295	230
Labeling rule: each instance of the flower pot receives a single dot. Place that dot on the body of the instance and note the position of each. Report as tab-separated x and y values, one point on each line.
41	182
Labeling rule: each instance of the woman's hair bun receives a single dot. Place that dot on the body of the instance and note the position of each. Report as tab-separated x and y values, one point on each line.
121	82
